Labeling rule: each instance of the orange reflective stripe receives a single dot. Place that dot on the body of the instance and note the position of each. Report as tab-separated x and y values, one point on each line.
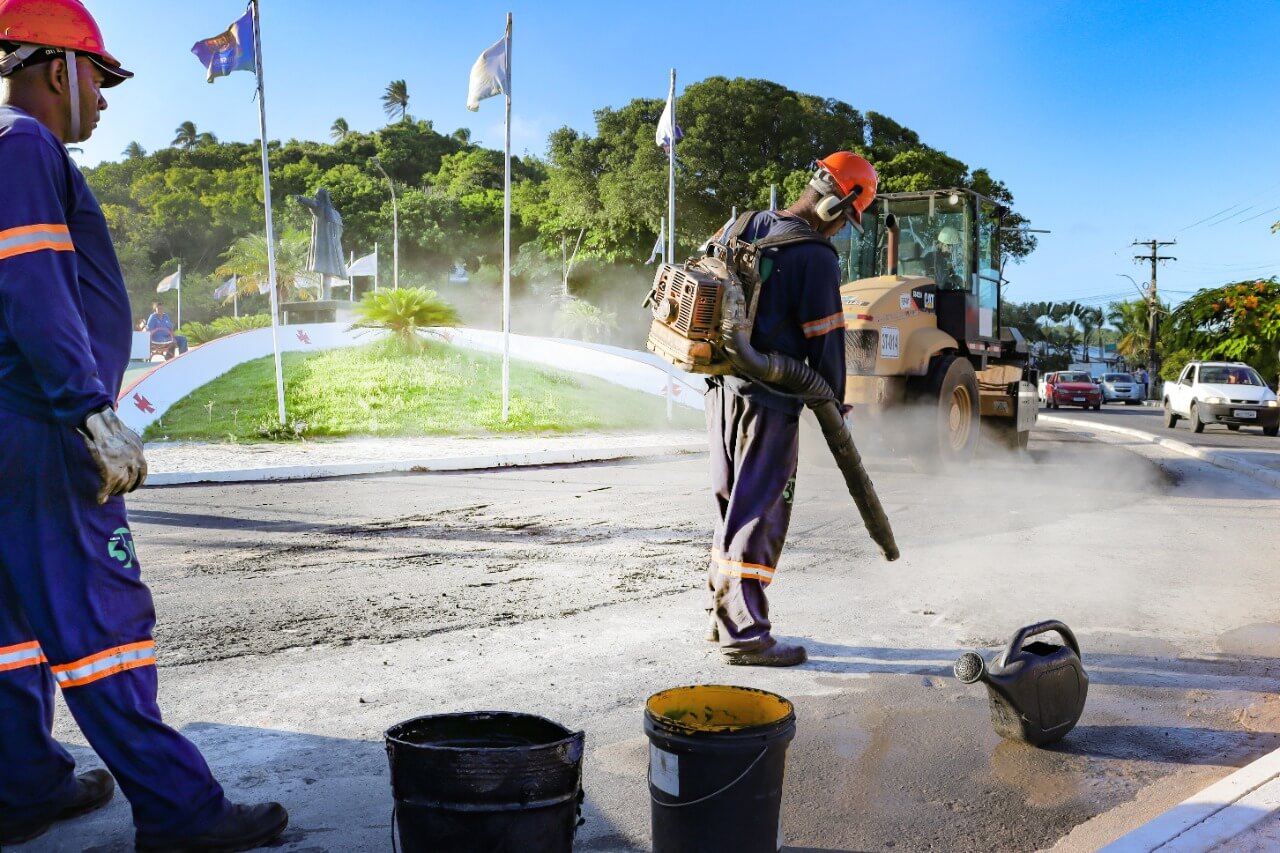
737	569
814	328
21	655
34	238
105	663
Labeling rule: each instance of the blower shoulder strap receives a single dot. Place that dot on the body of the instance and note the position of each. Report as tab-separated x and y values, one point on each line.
774	241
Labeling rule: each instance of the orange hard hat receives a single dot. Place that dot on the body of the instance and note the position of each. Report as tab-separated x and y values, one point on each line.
64	24
854	179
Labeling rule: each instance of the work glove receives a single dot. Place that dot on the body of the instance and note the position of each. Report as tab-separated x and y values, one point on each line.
117	450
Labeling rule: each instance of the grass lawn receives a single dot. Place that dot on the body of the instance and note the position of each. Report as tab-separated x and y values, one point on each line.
377	390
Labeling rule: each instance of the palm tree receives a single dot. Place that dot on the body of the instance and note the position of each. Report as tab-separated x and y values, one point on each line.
185	135
1133	321
246	258
396	98
1090	320
463	135
206	138
339	130
134	151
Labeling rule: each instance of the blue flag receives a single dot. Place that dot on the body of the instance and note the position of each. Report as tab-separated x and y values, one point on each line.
229	51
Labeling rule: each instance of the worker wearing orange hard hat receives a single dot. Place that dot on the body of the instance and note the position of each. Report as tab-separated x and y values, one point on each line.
74	611
753	428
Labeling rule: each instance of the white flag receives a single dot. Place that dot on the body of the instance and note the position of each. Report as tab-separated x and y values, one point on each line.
368	265
264	285
668	130
226	290
170	282
490	75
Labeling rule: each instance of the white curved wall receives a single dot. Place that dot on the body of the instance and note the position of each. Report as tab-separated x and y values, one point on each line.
147	399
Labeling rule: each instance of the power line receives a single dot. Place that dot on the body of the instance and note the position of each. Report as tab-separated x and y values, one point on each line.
1263	213
1207	218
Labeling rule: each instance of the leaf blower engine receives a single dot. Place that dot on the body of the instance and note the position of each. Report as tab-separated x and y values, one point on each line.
703	313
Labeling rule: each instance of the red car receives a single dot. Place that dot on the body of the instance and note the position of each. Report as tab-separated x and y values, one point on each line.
1072	388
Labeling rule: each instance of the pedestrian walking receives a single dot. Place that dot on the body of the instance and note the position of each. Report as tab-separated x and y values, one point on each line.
73	608
753	429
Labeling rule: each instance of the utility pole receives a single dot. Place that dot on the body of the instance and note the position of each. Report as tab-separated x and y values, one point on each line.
1153	308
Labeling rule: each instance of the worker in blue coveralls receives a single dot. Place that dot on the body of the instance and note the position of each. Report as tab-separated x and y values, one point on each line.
753	429
73	609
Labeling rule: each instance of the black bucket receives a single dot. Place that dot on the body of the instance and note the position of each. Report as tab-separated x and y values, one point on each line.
717	757
485	782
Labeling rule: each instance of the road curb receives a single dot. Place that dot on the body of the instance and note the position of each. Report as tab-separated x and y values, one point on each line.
1223	811
569	456
1221	460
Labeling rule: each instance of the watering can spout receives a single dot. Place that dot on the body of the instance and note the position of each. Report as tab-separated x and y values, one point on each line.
971	667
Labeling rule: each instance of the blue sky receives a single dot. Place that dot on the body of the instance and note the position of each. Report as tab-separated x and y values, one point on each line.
1109	121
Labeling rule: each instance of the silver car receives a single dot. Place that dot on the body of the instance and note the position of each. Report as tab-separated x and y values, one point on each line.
1120	386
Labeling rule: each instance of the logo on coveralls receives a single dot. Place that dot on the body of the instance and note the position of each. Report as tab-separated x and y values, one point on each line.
789	491
120	546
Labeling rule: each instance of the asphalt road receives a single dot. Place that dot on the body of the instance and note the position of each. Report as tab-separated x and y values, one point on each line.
299	620
1151	420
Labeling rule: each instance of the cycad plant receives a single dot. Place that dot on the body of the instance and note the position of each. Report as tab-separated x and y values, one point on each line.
404	312
578	318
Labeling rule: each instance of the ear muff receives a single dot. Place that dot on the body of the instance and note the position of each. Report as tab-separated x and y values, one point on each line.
830	207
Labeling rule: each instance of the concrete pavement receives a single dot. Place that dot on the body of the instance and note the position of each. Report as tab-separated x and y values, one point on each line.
298	620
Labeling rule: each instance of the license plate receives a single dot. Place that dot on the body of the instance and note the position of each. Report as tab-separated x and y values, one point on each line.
1244	413
1079	399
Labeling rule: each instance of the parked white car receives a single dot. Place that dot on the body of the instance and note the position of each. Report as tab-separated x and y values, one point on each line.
1220	392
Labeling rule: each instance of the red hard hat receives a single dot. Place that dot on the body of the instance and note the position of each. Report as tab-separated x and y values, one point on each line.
64	24
848	170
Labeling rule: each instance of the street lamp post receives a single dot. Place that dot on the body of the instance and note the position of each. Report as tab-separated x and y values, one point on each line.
395	228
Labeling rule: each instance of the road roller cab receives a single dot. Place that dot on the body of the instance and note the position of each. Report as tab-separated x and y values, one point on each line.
927	357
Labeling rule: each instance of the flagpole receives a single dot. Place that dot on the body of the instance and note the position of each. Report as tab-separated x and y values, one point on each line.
235	296
266	193
662	238
375	267
671	175
506	242
179	326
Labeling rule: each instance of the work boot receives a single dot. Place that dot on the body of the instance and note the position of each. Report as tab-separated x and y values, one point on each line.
774	654
244	828
713	628
93	791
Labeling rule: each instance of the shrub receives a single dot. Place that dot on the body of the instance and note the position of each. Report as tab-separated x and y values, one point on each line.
197	333
578	318
202	333
224	326
403	312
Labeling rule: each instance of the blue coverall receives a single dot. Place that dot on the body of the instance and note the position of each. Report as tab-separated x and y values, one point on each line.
753	430
73	608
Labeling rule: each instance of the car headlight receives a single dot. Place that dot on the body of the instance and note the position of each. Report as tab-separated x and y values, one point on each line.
1214	400
1273	403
